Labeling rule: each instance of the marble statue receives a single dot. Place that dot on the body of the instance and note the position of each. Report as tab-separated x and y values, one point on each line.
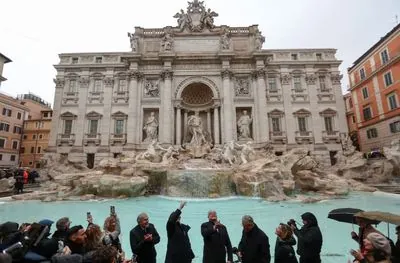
244	126
151	89
182	19
168	153
208	18
195	125
347	145
225	41
150	154
134	42
167	42
228	154
150	128
259	41
246	152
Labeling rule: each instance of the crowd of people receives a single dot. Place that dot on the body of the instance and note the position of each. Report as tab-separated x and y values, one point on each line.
22	177
95	244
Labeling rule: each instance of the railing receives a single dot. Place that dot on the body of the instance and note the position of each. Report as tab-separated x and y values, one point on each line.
71	94
303	133
65	138
277	134
92	138
329	136
118	138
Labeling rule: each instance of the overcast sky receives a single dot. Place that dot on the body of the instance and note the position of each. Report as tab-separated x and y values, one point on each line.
34	32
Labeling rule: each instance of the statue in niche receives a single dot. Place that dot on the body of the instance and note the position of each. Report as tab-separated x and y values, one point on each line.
183	19
150	128
225	41
134	42
244	126
207	18
242	87
246	152
167	42
195	125
151	89
259	40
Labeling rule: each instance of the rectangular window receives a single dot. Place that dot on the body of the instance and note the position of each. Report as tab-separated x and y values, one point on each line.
122	85
15	145
372	133
297	83
34	137
4	111
12	158
328	124
32	149
272	84
362	73
40	136
9	113
365	92
67	127
353	119
276	126
322	83
4	127
22	150
93	126
99	60
388	79
37	124
1	157
19	115
302	124
294	56
367	113
2	143
39	149
25	137
395	127
45	114
119	126
74	60
72	85
97	85
392	101
384	56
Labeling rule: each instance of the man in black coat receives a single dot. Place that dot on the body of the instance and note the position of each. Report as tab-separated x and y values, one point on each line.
179	249
143	238
216	241
309	239
254	245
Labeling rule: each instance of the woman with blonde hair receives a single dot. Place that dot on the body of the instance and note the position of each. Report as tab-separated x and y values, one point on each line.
284	252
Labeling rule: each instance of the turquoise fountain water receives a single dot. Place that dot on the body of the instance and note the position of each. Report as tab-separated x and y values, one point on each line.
337	241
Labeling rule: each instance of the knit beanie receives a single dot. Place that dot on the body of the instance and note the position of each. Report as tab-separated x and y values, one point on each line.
380	242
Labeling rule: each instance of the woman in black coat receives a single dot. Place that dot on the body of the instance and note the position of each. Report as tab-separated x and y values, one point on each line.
284	252
179	249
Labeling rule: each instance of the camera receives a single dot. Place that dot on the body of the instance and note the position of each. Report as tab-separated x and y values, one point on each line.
292	222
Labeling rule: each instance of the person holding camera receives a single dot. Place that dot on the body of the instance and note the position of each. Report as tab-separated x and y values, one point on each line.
143	239
112	230
309	239
254	245
179	249
217	244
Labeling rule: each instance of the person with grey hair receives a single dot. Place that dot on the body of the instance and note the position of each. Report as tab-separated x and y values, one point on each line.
143	239
254	245
217	244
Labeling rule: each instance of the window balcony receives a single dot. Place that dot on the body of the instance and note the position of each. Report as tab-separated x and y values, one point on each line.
121	96
303	137
96	97
330	137
66	139
92	138
118	138
70	97
278	137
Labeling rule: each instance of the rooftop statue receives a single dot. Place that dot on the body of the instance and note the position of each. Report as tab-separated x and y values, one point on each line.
196	18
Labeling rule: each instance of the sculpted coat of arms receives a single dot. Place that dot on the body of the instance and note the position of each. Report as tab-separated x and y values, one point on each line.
196	18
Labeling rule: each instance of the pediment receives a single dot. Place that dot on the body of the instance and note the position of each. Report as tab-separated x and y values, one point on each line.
119	114
328	112
68	115
93	114
276	112
302	112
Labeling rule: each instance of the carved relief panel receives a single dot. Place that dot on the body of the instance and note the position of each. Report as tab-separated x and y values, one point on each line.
151	88
242	87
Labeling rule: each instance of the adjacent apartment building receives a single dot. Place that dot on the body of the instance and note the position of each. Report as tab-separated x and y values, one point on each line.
373	106
36	130
13	113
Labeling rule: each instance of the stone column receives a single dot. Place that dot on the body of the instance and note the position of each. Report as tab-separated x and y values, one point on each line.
262	106
228	106
167	111
185	120
290	121
80	126
132	125
216	125
317	122
106	124
178	126
56	123
209	121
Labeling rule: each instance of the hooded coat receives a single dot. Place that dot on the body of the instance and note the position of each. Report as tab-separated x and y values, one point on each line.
179	249
254	246
309	239
284	252
216	243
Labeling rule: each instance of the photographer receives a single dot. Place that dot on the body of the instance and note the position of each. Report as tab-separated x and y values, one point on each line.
309	239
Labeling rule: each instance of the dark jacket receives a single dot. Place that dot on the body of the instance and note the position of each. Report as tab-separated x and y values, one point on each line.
216	243
254	246
284	252
179	248
60	235
309	238
144	250
396	252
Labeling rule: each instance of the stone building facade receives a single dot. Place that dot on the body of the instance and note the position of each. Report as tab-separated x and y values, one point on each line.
197	81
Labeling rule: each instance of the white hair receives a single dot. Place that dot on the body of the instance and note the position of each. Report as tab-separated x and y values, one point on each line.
141	216
212	212
246	219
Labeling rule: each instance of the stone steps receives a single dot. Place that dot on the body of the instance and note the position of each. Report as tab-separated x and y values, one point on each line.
389	188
